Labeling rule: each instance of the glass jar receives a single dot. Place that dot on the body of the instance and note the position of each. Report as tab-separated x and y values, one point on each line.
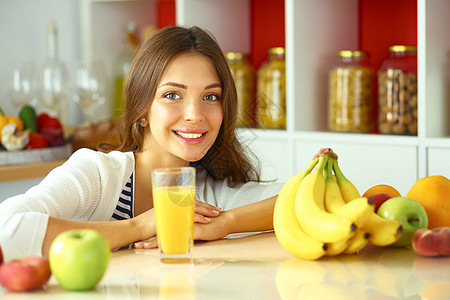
271	91
397	91
350	103
244	78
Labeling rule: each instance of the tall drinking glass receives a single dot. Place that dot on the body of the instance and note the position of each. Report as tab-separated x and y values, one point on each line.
174	201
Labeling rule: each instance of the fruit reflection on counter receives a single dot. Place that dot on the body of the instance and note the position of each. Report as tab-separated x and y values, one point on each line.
377	273
320	213
30	131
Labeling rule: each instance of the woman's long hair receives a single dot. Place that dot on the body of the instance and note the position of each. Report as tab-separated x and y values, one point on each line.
227	158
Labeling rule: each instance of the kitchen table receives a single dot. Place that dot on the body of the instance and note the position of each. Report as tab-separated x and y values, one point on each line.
258	267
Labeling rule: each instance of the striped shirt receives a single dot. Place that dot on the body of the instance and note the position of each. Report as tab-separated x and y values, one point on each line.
124	208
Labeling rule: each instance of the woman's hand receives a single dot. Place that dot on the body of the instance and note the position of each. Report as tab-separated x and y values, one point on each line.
204	211
203	214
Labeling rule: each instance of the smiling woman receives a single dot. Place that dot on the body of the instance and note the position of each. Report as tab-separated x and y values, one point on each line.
180	110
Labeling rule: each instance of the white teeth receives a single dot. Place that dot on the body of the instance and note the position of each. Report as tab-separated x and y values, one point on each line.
189	135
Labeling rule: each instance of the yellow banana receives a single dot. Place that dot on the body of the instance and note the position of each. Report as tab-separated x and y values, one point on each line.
315	221
383	232
357	210
287	229
337	248
348	190
357	242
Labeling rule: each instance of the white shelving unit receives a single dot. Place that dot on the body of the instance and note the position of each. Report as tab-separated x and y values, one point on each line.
315	30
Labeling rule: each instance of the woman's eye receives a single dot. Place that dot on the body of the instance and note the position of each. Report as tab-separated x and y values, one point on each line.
172	96
212	97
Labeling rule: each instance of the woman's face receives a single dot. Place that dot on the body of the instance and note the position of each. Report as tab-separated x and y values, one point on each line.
186	113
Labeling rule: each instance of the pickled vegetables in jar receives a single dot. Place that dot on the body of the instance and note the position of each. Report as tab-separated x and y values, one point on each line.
350	103
271	91
244	78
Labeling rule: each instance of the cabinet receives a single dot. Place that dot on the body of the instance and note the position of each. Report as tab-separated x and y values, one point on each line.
313	32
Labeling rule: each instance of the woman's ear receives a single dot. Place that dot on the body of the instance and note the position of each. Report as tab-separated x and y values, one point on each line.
143	122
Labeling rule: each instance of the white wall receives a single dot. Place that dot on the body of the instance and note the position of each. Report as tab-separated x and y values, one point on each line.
23	26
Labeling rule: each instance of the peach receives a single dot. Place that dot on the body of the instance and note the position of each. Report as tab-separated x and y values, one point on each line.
25	274
432	242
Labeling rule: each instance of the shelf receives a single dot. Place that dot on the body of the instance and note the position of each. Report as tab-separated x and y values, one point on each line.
312	32
27	171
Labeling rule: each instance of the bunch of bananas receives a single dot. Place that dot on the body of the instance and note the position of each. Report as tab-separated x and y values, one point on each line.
319	213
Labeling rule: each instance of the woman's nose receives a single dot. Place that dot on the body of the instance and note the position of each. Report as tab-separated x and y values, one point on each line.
193	111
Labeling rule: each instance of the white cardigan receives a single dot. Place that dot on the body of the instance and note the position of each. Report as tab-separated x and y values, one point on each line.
86	188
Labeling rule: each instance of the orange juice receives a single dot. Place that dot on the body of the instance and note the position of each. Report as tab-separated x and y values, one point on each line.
174	211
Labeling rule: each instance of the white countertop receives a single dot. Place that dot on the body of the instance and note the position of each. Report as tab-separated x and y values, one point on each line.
257	267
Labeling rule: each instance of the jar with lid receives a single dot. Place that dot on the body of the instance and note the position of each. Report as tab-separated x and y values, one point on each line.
271	91
350	103
397	91
244	78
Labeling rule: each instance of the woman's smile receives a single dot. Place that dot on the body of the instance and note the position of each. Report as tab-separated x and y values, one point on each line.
190	136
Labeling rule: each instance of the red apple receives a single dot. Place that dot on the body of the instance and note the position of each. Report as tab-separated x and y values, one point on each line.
379	199
432	242
25	274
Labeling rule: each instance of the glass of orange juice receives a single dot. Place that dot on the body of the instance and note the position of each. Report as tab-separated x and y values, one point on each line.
174	201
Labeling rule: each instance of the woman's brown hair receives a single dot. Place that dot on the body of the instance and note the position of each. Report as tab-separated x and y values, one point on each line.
226	159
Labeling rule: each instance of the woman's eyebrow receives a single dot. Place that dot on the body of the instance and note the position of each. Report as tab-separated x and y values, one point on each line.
214	85
183	86
179	85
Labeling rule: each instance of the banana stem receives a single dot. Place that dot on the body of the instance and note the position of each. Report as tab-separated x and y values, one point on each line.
310	167
322	164
330	164
337	171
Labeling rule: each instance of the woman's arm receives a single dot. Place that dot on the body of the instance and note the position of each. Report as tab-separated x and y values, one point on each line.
257	216
118	233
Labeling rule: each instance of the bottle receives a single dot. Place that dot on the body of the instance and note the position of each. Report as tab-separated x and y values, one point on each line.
121	69
350	96
243	74
397	91
53	88
271	91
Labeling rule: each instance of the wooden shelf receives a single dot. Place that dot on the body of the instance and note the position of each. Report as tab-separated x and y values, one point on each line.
27	171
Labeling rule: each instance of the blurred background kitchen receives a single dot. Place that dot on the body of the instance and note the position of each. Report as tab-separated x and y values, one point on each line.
306	34
24	28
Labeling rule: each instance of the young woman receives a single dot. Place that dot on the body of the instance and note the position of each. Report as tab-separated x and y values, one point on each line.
180	110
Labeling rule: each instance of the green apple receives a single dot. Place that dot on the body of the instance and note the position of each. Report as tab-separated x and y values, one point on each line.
79	258
409	213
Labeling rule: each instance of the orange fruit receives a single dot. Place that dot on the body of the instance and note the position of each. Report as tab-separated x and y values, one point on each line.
382	188
433	193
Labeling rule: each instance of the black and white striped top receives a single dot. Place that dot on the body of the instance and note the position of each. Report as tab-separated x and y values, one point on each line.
124	208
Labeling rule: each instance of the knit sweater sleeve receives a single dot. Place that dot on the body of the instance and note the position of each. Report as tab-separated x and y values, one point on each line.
72	191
